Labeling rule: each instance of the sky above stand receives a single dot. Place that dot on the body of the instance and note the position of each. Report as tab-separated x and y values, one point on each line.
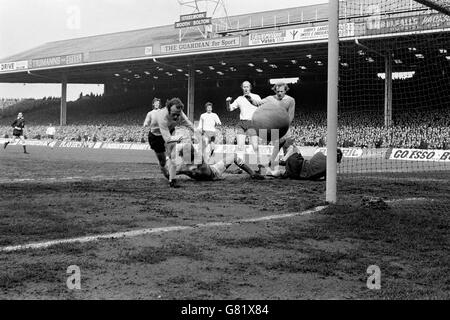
25	24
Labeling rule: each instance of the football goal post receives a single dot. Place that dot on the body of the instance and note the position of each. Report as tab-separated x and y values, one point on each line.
388	93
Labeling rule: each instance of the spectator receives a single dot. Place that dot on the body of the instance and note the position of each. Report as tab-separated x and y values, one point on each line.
50	133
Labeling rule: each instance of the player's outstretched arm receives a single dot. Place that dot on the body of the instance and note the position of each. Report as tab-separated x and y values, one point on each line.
218	122
228	102
186	122
291	110
200	124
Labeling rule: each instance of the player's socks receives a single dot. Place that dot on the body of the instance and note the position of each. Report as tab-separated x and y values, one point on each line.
5	144
254	175
174	184
165	172
25	150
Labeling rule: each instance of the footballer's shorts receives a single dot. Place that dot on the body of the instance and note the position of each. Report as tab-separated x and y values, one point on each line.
245	127
157	143
211	135
17	133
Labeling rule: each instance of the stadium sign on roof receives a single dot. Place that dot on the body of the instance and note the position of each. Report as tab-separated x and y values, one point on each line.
299	34
193	16
57	61
125	53
202	45
193	20
193	23
378	25
13	66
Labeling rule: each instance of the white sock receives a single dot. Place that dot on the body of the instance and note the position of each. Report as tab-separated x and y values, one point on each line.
172	170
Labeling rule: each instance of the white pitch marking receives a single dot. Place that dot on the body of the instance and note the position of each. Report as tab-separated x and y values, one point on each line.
408	200
68	179
136	233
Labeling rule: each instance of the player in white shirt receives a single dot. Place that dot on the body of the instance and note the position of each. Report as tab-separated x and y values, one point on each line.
156	103
161	138
247	104
50	133
207	125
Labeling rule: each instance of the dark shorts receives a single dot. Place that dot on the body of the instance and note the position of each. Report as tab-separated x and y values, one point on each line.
211	135
17	133
157	143
245	127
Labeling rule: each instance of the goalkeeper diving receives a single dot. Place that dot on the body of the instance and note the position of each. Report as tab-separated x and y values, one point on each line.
197	164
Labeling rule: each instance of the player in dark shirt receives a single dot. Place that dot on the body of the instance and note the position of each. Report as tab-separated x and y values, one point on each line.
298	168
18	125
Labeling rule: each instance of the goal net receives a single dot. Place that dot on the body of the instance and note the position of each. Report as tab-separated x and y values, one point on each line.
394	100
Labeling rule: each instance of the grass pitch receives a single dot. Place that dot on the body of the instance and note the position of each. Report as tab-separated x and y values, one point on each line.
71	193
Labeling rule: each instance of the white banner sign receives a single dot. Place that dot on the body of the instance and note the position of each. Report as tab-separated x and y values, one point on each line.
300	34
77	144
420	155
347	152
140	146
227	42
119	146
13	66
247	149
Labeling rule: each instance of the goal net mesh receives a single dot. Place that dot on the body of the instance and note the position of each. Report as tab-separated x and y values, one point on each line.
394	101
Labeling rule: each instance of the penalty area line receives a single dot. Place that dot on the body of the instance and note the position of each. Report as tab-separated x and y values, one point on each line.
69	179
142	232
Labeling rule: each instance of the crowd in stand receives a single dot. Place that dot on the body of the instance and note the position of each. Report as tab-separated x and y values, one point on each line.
6	102
422	128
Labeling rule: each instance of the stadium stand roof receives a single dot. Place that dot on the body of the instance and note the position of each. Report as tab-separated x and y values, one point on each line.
165	34
156	54
115	51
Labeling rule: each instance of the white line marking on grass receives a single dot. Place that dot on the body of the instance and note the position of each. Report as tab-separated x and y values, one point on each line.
70	179
409	200
137	233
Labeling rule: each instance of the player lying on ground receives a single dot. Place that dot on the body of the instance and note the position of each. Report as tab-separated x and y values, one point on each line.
18	125
205	170
298	168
